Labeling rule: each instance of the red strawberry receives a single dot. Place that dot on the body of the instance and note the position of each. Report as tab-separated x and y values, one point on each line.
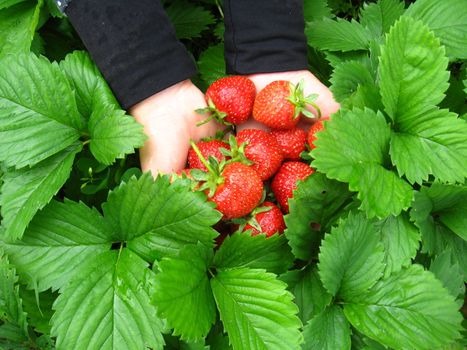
269	221
239	193
207	148
230	99
318	126
263	150
280	104
285	181
292	142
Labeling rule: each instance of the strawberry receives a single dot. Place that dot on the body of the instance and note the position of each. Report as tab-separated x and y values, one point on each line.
230	100
207	148
280	104
234	187
318	126
240	191
263	150
292	142
285	181
268	219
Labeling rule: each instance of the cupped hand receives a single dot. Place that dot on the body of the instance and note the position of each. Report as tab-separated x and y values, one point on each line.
170	122
312	85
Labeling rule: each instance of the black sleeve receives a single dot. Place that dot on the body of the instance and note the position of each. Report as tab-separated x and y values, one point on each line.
134	45
264	36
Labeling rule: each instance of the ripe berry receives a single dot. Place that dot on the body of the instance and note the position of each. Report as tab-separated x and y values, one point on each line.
292	142
268	221
207	148
263	150
285	181
318	126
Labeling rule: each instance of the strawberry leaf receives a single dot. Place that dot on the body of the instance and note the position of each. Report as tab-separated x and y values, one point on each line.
91	89
183	294
328	330
450	274
316	200
343	153
337	35
419	79
409	310
256	310
315	10
27	190
211	64
38	113
18	24
113	134
401	241
436	237
257	252
11	305
188	19
107	304
447	19
157	218
431	143
310	295
59	239
351	257
379	17
347	77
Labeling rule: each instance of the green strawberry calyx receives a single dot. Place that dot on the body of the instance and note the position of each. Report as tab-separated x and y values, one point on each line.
300	101
214	114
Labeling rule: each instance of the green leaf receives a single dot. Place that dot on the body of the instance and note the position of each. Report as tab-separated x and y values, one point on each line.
11	305
449	206
337	35
344	153
436	237
183	294
25	191
315	10
38	113
188	19
430	143
38	306
256	309
328	330
351	257
258	252
113	134
317	200
158	218
7	3
211	64
413	74
310	295
347	77
450	274
59	239
91	89
18	24
409	310
401	240
379	17
107	306
447	19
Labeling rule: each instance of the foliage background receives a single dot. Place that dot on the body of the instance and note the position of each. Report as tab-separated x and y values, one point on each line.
98	255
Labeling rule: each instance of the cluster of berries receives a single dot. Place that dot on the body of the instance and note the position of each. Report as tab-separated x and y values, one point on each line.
251	175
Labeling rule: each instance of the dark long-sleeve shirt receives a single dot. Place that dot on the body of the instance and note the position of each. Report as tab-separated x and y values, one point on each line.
134	44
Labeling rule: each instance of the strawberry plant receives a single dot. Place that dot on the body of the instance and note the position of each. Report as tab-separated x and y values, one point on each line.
94	254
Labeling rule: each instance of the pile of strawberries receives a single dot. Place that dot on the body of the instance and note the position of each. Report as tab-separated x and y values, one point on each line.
251	174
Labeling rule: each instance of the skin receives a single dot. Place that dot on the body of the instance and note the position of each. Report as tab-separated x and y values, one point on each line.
169	118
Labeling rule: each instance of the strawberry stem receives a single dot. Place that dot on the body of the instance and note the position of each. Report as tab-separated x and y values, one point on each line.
201	158
300	101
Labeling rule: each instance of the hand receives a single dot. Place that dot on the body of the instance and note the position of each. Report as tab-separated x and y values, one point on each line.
312	85
169	120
